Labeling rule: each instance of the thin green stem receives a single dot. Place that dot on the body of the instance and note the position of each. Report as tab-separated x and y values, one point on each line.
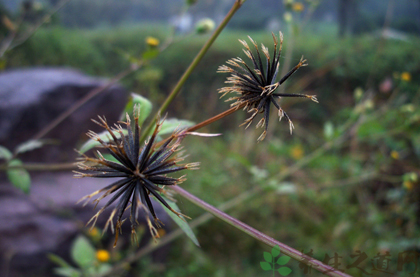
193	65
285	249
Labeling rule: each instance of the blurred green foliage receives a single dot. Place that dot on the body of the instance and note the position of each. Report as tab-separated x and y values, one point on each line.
341	65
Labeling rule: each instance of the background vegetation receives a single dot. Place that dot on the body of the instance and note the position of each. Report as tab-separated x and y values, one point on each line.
346	180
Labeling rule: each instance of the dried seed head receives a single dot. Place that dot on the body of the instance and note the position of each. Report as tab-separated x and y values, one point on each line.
255	85
142	171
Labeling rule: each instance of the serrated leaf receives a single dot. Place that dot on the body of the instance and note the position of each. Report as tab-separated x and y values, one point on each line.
67	272
105	136
268	257
19	177
283	260
275	251
143	103
265	266
58	260
284	271
5	153
28	146
169	125
181	223
82	252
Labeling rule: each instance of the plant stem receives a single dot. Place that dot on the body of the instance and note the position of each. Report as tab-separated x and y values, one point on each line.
214	119
193	65
241	198
285	249
179	232
41	166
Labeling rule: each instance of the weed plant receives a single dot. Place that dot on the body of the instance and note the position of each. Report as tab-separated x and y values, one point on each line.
346	181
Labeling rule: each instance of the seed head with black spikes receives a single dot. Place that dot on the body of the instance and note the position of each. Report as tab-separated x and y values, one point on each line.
255	85
142	172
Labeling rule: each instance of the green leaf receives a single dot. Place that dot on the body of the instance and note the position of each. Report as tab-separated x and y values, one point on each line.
127	56
111	158
181	223
19	177
265	266
284	271
105	136
143	103
83	252
67	272
275	251
268	257
169	125
58	260
28	146
150	54
103	268
5	153
328	130
370	128
283	260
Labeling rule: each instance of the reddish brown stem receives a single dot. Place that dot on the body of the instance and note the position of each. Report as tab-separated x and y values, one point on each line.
285	249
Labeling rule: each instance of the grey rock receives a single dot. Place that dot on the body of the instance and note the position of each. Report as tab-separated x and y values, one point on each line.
32	98
48	220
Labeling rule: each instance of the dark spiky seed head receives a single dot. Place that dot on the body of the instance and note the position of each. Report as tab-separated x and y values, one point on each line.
142	172
255	85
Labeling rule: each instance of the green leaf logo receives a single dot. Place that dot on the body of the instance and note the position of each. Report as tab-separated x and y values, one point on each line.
271	261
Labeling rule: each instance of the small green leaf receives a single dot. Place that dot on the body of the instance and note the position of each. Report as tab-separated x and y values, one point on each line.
265	266
370	128
103	268
5	153
19	177
328	130
111	158
67	272
143	103
283	260
83	252
105	136
284	271
204	26
275	251
150	54
28	146
169	125
181	223
268	257
58	260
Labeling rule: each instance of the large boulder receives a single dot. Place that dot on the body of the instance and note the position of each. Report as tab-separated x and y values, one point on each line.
32	98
